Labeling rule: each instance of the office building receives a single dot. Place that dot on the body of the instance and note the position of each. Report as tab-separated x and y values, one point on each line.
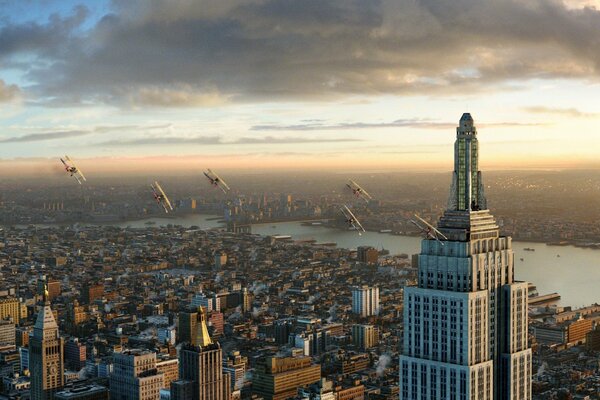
92	292
75	354
22	335
365	301
167	335
278	378
202	366
365	336
135	376
367	254
186	327
220	260
235	366
46	361
465	324
10	308
212	303
7	332
169	367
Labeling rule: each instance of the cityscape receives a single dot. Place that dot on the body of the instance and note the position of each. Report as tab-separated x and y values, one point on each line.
298	199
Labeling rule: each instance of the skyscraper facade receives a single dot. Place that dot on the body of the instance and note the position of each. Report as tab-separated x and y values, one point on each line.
465	324
365	301
201	368
135	376
46	349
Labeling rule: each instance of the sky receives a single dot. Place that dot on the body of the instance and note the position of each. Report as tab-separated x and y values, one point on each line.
297	84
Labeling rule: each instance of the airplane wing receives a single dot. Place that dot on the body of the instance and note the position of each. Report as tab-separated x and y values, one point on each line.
160	189
349	213
64	162
224	184
366	194
220	180
81	174
355	222
432	227
78	169
358	226
416	224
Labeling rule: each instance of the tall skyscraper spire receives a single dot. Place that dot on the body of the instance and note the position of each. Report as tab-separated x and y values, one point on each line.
465	324
201	375
466	192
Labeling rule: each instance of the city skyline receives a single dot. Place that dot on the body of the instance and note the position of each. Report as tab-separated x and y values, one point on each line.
139	84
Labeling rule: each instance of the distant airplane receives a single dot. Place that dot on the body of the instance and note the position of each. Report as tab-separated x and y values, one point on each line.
216	181
358	191
351	220
429	230
161	197
72	169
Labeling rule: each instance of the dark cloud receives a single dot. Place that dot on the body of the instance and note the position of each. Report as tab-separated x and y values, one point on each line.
197	53
218	140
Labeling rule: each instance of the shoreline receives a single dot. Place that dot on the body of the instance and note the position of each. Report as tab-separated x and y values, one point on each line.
324	223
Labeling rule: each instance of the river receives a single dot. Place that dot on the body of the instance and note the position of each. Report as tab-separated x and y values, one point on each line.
575	275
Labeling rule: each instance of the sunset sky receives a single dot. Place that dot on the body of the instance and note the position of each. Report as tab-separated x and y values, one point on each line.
373	84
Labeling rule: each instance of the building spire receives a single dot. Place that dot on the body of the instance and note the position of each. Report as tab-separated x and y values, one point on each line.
202	335
46	296
466	192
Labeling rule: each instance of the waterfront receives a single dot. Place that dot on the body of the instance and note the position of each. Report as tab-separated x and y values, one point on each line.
575	275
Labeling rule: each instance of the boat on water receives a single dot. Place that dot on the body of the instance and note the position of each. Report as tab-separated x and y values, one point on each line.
529	249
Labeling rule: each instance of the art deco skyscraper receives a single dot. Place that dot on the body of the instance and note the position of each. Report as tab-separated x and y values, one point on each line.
465	324
46	349
201	368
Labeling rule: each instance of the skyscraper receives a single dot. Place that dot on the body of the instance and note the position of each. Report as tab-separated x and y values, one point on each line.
365	301
187	326
46	355
365	336
465	324
201	368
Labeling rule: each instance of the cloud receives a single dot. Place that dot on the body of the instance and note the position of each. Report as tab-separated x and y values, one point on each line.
568	112
37	137
8	92
218	140
180	96
185	53
400	123
320	126
67	134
